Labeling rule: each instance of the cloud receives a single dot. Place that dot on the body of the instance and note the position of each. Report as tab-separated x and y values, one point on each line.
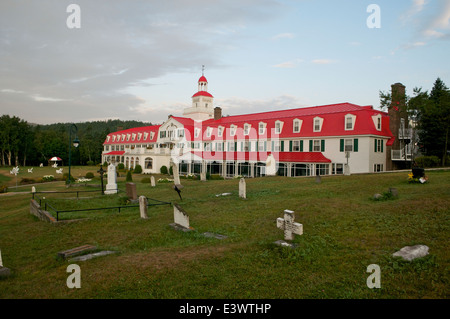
288	64
416	7
439	26
283	36
322	61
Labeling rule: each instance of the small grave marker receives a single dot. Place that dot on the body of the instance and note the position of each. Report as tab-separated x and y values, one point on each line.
76	251
203	176
131	191
111	187
143	202
289	227
152	180
412	252
181	219
242	188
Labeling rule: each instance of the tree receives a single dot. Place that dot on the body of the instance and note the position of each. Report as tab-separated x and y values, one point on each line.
433	116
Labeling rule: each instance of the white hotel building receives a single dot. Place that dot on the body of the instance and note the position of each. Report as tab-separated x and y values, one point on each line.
319	140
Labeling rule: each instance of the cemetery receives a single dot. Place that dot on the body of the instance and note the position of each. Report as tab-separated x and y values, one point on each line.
269	237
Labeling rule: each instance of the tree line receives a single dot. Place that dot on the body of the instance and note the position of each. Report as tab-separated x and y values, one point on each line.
27	144
430	111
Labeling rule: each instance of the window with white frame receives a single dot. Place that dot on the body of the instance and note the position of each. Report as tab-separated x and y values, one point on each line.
318	121
208	131
297	124
296	146
180	132
231	146
232	130
276	146
350	122
208	147
348	145
196	132
261	128
123	137
108	138
152	135
246	129
220	131
246	146
316	145
378	167
219	147
278	127
145	135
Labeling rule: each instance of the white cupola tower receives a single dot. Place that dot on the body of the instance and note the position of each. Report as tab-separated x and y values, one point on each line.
202	103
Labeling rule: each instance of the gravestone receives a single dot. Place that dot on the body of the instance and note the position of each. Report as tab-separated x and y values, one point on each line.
111	187
152	180
33	189
203	177
242	188
393	191
271	166
289	227
412	252
131	191
318	179
4	272
181	219
93	255
176	176
143	207
76	251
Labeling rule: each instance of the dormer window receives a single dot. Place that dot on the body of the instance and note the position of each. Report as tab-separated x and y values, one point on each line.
232	130
297	125
377	121
208	131
350	120
318	121
123	137
133	137
261	128
145	135
220	131
247	129
196	132
108	138
278	127
152	134
114	138
139	136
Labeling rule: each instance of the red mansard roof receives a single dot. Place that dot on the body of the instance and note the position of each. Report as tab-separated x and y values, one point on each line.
131	131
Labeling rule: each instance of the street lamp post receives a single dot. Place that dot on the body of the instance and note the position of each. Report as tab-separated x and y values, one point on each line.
76	143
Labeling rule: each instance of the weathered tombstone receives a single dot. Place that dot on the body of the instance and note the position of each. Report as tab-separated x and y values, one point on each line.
111	187
93	255
152	180
181	219
131	191
412	252
271	167
242	188
76	251
4	272
289	227
143	202
318	179
377	196
33	189
176	176
203	176
393	191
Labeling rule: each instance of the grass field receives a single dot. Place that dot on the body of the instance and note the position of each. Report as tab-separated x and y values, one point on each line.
344	232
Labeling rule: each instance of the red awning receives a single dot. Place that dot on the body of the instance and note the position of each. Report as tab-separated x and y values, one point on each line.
115	153
292	157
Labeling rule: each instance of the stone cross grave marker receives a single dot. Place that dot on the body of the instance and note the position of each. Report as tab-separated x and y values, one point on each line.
131	191
143	208
288	225
111	187
181	219
242	188
152	180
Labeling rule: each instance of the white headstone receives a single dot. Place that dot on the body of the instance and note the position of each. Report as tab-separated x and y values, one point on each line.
289	226
152	179
41	165
412	252
180	217
203	177
271	167
143	207
111	187
33	189
242	188
1	262
176	176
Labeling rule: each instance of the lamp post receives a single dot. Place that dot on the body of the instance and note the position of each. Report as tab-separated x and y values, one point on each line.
76	143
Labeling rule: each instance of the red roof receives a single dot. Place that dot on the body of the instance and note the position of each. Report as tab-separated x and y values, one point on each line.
293	157
144	138
202	79
202	93
115	153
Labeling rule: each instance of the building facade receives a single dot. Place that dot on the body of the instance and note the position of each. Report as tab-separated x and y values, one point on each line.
332	139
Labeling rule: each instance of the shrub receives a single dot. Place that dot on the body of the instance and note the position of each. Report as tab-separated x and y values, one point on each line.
427	161
138	169
170	170
120	166
89	175
163	170
48	178
66	178
129	178
26	180
3	189
216	177
90	163
105	163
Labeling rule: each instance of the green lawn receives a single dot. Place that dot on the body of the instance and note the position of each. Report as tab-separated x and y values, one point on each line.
344	232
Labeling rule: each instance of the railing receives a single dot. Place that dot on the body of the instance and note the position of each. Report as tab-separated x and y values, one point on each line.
399	155
404	134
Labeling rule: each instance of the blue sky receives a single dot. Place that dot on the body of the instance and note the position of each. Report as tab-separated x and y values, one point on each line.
142	59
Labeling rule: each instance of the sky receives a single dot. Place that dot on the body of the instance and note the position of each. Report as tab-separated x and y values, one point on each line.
141	60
